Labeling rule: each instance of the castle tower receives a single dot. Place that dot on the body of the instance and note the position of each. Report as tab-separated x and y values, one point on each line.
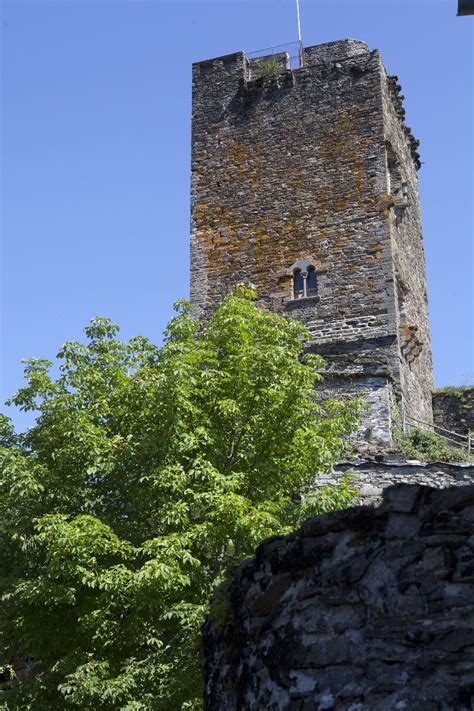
304	183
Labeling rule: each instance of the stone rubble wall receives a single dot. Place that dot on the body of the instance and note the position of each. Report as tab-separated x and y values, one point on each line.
453	408
366	608
372	477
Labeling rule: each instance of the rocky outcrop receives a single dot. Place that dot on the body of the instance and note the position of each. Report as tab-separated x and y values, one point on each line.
366	608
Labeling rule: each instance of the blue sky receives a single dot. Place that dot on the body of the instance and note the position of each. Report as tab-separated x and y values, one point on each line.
96	117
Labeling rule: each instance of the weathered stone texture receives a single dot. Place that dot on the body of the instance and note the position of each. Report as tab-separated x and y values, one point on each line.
453	409
372	477
375	428
367	608
315	163
409	275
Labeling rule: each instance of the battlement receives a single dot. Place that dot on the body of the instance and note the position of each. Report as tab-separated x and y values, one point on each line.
238	63
335	52
278	63
333	61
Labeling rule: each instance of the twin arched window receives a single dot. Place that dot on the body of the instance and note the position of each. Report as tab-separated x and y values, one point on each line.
304	279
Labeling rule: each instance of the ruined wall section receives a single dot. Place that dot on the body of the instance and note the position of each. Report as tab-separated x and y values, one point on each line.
404	219
366	608
453	409
374	434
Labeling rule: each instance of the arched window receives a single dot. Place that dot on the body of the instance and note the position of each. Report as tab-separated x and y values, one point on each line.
298	284
304	279
311	282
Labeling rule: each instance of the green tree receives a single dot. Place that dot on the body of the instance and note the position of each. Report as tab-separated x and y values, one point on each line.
148	473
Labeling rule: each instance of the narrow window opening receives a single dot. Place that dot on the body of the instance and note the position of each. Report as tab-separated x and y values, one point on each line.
298	284
311	282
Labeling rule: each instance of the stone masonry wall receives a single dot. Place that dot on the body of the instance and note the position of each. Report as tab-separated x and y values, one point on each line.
409	273
453	408
371	478
367	608
295	166
375	428
289	169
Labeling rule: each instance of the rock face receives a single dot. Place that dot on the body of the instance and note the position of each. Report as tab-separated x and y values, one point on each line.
310	175
367	608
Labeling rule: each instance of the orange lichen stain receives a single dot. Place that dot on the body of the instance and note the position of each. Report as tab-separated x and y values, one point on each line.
359	178
238	154
408	331
242	229
343	145
376	250
256	177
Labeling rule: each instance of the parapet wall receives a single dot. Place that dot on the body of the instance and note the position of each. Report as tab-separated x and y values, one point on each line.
367	608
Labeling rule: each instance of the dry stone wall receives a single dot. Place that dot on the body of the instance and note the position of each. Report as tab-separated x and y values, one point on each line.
453	408
370	477
367	608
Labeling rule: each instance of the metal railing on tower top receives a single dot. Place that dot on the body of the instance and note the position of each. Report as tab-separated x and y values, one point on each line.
292	48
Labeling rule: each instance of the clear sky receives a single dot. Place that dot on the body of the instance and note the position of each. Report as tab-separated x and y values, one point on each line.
96	118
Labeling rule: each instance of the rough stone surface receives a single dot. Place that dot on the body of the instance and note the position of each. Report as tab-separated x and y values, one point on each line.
317	164
372	477
367	608
453	408
375	429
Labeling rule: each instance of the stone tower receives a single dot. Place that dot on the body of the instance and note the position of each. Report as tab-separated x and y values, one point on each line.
304	183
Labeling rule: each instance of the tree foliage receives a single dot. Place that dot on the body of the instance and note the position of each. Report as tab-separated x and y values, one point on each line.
148	473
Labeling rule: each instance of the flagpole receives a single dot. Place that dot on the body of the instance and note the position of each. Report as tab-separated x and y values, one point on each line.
300	43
